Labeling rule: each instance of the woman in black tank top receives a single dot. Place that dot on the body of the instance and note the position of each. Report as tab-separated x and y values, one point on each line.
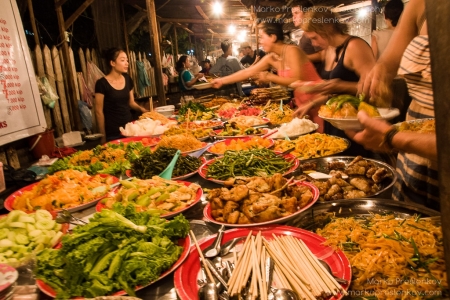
346	59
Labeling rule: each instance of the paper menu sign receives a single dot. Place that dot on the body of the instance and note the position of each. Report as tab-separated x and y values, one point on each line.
21	112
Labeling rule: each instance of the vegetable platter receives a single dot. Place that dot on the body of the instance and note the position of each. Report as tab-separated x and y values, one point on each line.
186	278
156	195
118	252
23	235
70	189
255	162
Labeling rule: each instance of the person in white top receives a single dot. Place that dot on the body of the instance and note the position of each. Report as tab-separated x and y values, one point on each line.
380	38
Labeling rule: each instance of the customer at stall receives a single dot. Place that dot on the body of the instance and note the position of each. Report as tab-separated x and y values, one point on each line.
206	67
290	62
407	54
114	96
250	56
380	38
346	59
298	9
186	78
227	65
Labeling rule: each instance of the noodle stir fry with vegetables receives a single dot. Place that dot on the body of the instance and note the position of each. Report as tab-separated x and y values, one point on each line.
391	258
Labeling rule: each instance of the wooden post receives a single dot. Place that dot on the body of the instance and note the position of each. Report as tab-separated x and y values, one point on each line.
175	41
125	30
71	91
33	23
151	11
57	65
40	71
437	17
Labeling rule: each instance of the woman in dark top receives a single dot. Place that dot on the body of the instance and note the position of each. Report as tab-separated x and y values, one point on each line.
346	58
114	96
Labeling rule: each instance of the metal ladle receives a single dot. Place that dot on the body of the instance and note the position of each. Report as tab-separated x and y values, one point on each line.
328	268
214	249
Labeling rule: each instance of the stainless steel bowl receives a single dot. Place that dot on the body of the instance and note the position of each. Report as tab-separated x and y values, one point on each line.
320	213
385	186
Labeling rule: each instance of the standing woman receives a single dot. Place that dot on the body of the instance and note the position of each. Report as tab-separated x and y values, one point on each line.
290	62
114	96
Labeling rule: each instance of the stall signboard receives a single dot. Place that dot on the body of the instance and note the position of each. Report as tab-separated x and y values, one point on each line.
21	112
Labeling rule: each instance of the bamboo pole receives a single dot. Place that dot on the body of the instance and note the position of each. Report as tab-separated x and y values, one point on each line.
175	41
82	63
154	36
40	70
33	23
61	89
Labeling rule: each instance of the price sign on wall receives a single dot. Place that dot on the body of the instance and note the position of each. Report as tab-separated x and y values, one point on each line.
21	112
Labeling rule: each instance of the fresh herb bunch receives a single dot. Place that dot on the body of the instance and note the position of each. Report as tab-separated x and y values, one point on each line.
151	164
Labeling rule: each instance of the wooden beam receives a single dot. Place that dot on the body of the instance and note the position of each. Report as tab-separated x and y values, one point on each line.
77	13
201	12
154	36
71	92
185	28
33	23
125	31
60	3
176	42
197	21
437	18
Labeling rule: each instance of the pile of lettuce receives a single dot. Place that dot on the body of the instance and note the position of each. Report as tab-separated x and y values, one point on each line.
118	249
104	159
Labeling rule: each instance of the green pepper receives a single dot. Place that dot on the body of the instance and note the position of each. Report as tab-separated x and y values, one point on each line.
127	184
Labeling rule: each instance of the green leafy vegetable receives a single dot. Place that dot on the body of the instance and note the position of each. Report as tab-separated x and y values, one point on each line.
116	250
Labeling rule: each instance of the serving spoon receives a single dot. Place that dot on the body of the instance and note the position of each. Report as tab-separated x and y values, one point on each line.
167	173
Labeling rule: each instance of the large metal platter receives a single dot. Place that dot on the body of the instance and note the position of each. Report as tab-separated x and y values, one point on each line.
385	186
319	214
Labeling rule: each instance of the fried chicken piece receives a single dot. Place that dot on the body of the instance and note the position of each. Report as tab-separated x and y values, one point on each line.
271	213
305	199
334	189
323	186
355	160
214	193
258	184
356	170
278	181
264	202
380	174
233	218
337	174
353	194
243	219
336	196
216	203
334	165
217	213
229	208
361	184
289	205
236	194
371	171
309	166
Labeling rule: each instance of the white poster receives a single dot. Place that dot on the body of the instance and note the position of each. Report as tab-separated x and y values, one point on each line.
21	112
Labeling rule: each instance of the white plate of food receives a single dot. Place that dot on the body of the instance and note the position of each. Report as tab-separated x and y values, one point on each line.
202	86
352	123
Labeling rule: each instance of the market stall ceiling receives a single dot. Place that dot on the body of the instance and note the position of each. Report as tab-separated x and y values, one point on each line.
199	18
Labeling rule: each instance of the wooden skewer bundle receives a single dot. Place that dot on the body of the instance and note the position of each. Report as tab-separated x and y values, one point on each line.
296	268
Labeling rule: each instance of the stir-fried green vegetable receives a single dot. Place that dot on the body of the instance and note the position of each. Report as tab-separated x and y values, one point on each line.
150	164
117	250
255	162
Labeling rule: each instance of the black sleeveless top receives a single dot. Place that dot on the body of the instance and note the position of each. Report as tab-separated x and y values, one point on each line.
342	73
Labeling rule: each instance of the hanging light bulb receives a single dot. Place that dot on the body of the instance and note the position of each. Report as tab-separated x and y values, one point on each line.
363	12
217	8
231	29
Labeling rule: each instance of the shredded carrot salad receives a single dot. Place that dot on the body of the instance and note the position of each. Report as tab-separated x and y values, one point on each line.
391	258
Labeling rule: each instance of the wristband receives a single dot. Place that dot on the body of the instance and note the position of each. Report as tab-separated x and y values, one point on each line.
388	137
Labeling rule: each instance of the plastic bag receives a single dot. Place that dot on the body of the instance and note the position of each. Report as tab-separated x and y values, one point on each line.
93	74
48	95
85	114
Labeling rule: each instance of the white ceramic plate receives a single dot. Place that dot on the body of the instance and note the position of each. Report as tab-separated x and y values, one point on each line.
353	123
202	86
